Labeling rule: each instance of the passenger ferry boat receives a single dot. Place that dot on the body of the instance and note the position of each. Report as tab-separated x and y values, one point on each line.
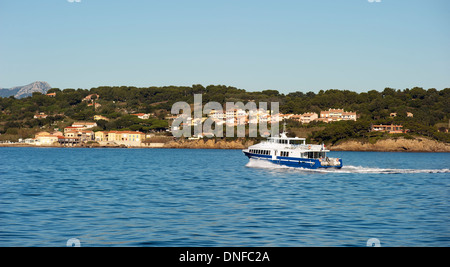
292	152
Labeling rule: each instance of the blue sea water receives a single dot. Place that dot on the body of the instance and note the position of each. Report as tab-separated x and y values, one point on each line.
183	197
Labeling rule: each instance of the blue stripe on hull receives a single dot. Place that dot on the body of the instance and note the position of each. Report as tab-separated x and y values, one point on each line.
293	162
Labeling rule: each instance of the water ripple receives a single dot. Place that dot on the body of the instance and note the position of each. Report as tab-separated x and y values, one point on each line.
169	197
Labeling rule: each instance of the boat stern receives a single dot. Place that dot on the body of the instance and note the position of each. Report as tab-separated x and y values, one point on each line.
331	163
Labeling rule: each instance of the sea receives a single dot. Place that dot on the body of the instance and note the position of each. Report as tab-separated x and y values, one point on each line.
99	197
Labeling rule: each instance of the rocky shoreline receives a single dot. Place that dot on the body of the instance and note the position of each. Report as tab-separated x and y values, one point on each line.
394	145
386	145
209	144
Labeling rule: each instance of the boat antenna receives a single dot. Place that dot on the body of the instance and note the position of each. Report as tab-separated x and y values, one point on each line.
284	127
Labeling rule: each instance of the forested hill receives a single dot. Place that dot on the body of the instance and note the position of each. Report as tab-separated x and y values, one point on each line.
431	107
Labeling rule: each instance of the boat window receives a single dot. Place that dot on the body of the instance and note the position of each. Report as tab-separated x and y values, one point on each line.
296	142
315	155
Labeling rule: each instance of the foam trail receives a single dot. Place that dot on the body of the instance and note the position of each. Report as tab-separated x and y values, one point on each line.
264	164
360	169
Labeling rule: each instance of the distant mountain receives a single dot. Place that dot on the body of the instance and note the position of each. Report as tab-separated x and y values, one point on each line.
25	91
8	92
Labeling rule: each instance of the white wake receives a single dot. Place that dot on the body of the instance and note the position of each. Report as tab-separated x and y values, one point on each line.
264	164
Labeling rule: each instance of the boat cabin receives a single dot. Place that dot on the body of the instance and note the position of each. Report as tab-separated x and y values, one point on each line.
287	140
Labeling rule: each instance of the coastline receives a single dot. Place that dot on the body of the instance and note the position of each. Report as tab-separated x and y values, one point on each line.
386	145
394	145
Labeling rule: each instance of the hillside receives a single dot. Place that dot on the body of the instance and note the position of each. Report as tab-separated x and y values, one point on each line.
430	109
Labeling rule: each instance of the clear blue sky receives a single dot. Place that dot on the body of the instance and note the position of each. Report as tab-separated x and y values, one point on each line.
296	45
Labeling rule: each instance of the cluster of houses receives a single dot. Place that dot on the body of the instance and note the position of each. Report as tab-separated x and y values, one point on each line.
81	132
236	117
127	138
392	129
330	115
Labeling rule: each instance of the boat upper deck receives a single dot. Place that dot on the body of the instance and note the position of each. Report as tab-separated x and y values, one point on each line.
286	140
290	143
